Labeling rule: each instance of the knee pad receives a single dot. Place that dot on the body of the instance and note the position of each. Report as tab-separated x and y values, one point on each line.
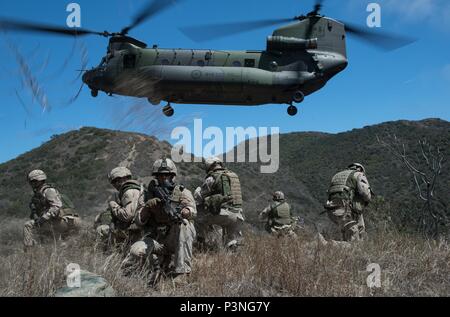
103	231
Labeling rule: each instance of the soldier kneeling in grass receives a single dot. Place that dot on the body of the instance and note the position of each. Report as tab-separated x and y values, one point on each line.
52	214
279	217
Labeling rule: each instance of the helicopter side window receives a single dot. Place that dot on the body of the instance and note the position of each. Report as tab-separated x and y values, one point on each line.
249	63
129	61
237	64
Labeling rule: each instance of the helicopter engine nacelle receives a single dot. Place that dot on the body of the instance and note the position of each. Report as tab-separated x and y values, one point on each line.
289	44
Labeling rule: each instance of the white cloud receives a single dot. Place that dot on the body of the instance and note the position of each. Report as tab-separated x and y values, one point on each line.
416	9
436	12
427	12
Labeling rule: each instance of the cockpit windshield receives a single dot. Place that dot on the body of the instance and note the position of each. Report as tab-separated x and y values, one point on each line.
103	62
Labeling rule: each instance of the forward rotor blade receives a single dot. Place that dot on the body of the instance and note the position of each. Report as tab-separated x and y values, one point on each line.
202	33
381	40
152	9
42	28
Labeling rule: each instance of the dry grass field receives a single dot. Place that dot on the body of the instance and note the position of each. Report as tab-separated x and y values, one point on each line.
265	266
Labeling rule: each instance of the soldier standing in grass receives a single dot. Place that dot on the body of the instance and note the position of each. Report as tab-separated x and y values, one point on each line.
219	200
116	226
349	193
52	214
278	214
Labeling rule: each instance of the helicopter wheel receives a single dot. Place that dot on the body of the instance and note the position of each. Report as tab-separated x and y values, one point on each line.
292	110
298	97
168	110
94	93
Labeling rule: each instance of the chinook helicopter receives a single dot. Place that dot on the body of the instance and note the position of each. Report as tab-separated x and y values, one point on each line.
300	58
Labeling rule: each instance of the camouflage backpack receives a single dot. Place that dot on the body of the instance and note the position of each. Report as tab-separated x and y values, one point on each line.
40	203
226	192
342	186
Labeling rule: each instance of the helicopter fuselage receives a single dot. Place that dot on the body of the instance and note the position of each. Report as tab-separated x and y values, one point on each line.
288	70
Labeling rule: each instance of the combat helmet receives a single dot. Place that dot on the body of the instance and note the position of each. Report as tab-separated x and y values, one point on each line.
164	166
212	162
357	165
36	175
119	172
278	196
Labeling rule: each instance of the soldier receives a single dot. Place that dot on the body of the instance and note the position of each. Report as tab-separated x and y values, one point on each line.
52	214
117	224
166	214
279	218
348	194
219	200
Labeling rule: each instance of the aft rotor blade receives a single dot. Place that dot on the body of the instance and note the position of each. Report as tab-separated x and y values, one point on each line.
43	28
152	9
201	33
381	40
318	6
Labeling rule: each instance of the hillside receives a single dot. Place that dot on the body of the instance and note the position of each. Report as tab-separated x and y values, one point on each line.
79	161
309	160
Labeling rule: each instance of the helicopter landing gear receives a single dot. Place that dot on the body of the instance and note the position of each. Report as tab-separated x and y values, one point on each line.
168	110
94	93
153	101
292	110
298	97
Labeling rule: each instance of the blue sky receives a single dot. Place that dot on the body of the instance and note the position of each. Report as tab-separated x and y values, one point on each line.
411	83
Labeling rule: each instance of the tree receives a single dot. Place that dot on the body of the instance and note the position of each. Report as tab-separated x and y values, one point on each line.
426	169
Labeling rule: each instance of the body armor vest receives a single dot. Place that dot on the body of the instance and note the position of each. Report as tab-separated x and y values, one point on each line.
342	186
227	184
280	214
131	184
161	218
41	205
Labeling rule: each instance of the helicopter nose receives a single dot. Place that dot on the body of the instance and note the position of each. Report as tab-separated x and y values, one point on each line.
88	77
93	78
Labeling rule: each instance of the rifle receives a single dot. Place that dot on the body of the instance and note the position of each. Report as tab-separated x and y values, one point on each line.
163	193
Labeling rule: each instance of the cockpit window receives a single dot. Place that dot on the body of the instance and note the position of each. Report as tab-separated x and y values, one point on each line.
129	61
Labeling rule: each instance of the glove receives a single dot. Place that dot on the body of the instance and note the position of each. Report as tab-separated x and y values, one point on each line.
34	216
198	196
113	205
185	213
153	203
39	221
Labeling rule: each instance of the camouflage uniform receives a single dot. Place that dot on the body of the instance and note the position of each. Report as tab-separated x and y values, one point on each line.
116	225
52	215
278	214
165	237
219	202
348	194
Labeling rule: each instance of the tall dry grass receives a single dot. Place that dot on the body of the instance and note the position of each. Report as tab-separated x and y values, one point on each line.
265	266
